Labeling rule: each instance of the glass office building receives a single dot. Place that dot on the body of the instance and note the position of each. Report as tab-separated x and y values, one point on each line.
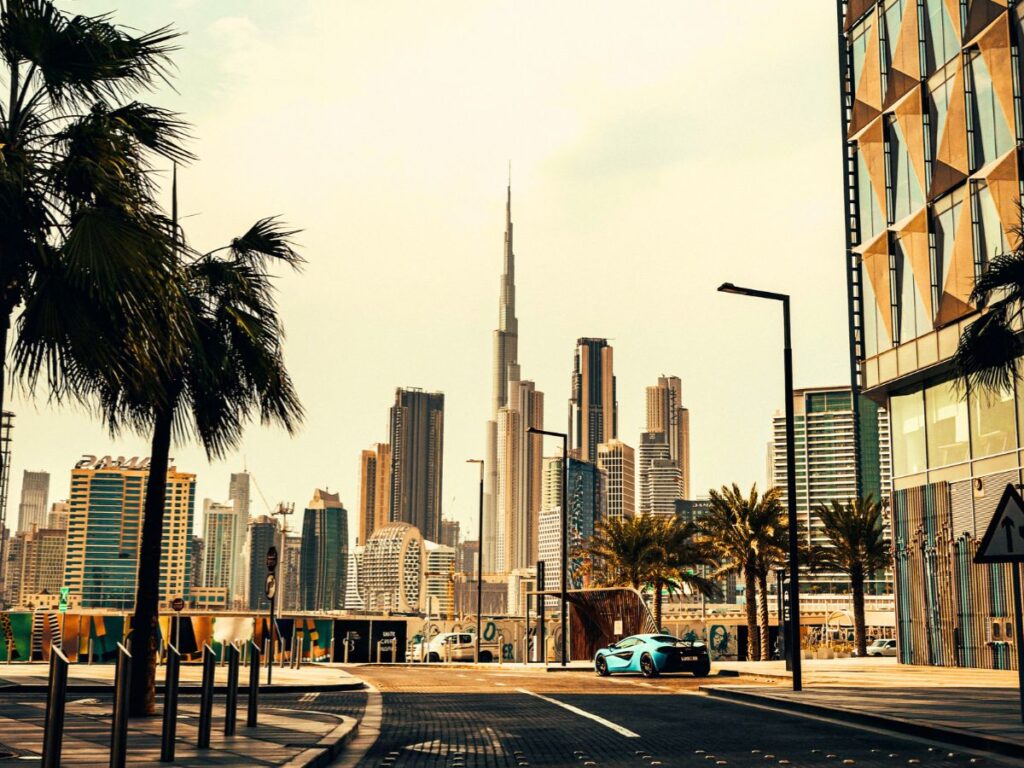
932	120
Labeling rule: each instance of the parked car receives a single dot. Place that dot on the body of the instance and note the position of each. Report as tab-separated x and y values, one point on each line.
449	646
650	655
882	647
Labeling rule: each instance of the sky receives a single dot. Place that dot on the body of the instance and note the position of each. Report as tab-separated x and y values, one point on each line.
657	149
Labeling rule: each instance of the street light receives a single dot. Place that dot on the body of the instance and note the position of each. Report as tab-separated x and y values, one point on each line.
793	641
565	531
479	556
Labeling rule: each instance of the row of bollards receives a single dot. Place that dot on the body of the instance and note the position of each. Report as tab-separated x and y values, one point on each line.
56	700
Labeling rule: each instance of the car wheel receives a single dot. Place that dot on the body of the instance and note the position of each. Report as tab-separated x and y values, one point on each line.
647	667
486	657
703	668
601	666
433	658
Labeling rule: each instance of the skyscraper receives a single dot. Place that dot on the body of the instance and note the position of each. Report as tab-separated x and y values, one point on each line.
58	515
826	468
593	404
6	426
661	481
35	493
374	490
512	458
450	533
290	572
665	413
41	563
324	553
417	450
616	460
104	530
238	496
219	561
264	533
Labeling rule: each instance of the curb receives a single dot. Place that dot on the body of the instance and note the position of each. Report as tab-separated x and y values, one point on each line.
954	736
356	685
329	747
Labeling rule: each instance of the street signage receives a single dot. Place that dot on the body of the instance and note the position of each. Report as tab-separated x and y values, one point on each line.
62	606
271	586
1003	541
177	604
272	559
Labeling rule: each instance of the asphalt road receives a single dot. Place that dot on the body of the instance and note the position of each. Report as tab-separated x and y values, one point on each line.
500	718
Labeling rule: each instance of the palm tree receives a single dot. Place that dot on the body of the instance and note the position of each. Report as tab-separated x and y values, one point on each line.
232	368
990	348
857	547
735	526
649	550
84	249
772	545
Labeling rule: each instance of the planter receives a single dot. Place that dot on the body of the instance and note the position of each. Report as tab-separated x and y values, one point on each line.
806	654
824	653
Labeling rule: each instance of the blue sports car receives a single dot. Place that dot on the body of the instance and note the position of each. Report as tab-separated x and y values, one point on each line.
650	655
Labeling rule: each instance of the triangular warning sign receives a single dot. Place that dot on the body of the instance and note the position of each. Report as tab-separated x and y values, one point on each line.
1003	542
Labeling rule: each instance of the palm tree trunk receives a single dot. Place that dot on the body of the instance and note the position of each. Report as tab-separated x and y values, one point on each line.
147	598
5	322
762	614
859	632
750	590
657	605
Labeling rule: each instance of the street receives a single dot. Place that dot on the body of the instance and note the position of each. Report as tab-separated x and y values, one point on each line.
492	717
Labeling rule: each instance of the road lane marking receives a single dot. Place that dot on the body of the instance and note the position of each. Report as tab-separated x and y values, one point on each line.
307	697
583	713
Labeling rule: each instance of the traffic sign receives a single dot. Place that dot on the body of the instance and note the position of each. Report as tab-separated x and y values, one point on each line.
62	606
272	559
177	604
1003	541
271	586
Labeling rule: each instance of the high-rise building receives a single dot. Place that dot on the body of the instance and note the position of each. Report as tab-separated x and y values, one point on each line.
587	494
35	493
469	556
450	533
391	569
238	496
40	564
520	463
661	481
6	427
264	533
10	589
512	457
290	571
198	557
931	132
615	459
58	515
593	403
324	552
353	600
105	529
374	490
417	452
219	526
438	588
665	413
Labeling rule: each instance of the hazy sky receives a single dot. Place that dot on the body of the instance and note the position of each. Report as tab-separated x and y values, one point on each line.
657	150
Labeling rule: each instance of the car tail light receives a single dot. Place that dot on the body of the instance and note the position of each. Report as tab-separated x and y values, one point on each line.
665	648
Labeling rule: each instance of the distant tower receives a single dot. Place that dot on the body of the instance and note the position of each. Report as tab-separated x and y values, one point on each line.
661	482
593	407
238	497
324	553
665	413
616	460
374	490
35	492
219	559
417	452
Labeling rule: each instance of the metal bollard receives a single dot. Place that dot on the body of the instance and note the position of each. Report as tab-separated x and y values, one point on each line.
56	697
231	702
501	649
206	696
254	684
378	651
330	655
119	725
170	729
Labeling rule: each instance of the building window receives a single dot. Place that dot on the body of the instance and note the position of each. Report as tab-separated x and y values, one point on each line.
892	18
870	214
946	425
945	215
905	195
859	44
992	423
912	319
989	239
908	433
941	43
940	87
988	133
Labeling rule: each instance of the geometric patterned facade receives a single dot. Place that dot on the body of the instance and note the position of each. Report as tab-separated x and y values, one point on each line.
933	131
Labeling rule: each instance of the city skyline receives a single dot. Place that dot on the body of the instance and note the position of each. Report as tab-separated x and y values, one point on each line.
568	237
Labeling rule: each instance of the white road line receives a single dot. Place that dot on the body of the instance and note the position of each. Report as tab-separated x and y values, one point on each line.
583	713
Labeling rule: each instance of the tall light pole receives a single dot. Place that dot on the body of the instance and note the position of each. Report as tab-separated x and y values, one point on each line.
479	557
793	641
565	531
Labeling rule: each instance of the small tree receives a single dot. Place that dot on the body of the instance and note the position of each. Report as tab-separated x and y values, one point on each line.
857	547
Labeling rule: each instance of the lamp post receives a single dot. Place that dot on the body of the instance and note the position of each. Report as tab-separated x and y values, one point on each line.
793	641
565	530
479	557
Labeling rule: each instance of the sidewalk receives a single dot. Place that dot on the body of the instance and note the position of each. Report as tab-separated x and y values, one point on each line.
84	678
283	737
976	708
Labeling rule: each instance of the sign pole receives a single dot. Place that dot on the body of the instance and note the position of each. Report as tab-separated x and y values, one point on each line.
271	592
1018	628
